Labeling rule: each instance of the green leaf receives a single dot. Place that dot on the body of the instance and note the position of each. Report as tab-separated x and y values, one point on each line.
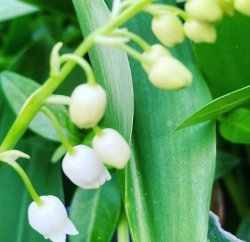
217	107
224	163
11	9
235	127
216	233
15	199
243	231
95	213
17	89
169	178
225	64
104	60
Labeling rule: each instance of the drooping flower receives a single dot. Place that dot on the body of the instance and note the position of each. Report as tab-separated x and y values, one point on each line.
243	6
200	32
50	219
153	54
87	105
112	148
168	73
205	10
84	168
168	29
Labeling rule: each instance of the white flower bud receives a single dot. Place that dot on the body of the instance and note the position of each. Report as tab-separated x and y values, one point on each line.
170	74
50	219
87	105
156	51
200	32
168	29
84	168
243	6
204	10
112	148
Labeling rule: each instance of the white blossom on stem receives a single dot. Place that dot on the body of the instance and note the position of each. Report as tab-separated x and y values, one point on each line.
50	219
84	168
112	148
243	6
87	105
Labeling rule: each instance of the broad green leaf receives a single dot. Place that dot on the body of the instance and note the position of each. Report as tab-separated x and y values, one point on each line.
95	213
15	199
218	234
243	231
217	107
17	89
11	9
169	178
225	64
235	127
224	163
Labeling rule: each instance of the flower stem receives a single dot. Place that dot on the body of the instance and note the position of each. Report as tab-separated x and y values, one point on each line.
97	130
58	129
36	100
122	230
84	65
26	181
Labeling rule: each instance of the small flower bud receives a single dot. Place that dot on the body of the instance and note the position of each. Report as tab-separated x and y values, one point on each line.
50	219
204	10
170	74
87	105
112	148
168	29
200	32
156	51
84	168
243	6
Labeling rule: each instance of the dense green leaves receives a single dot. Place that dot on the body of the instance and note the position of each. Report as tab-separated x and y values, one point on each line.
217	107
17	89
12	8
95	212
235	127
216	233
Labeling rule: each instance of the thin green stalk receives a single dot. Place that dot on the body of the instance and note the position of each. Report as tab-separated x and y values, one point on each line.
36	100
27	182
122	230
58	129
97	130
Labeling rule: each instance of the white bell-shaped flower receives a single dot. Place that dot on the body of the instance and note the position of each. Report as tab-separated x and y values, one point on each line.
153	54
168	29
243	6
168	73
112	148
87	105
50	219
84	168
204	10
200	32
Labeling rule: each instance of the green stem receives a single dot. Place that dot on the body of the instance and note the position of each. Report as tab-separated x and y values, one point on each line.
122	230
27	182
137	39
83	63
36	100
97	130
68	147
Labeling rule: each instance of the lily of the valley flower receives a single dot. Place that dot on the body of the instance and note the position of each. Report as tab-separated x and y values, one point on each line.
153	54
205	10
50	219
112	148
199	31
84	168
87	105
168	29
243	6
168	73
